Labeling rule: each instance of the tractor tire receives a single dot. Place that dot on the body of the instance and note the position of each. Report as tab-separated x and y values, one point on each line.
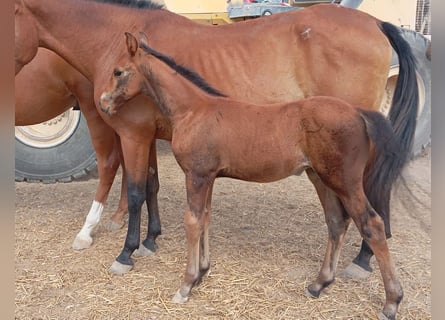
58	150
419	44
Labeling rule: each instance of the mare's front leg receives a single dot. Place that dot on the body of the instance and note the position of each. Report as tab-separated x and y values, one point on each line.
107	151
337	221
149	245
196	221
136	156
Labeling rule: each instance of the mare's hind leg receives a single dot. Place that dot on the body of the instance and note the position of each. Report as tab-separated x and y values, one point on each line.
117	221
372	230
149	245
198	190
337	221
360	267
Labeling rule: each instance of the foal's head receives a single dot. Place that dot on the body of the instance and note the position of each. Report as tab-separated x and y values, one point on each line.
126	81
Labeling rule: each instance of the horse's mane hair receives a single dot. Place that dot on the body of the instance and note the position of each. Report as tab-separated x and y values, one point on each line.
138	4
187	73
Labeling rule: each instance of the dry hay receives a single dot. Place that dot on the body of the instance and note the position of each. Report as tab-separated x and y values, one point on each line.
267	243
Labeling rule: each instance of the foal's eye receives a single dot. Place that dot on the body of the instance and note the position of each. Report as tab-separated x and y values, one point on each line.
117	73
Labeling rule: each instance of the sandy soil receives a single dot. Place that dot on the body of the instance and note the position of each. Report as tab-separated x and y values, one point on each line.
267	244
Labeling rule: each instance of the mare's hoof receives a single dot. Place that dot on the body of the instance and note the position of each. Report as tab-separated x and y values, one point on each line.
80	243
142	251
311	293
119	268
178	298
382	316
354	271
113	226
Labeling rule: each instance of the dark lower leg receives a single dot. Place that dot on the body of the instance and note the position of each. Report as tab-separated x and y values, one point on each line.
136	197
154	221
364	257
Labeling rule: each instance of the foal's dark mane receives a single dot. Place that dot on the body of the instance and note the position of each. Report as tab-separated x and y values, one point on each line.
187	73
138	4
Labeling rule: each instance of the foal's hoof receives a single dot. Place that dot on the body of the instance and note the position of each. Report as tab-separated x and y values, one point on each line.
80	243
142	251
354	271
178	298
113	226
119	268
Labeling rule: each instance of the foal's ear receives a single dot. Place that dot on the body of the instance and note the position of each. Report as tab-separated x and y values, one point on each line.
143	38
132	43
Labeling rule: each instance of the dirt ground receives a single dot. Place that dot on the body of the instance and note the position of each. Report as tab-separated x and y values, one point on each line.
267	243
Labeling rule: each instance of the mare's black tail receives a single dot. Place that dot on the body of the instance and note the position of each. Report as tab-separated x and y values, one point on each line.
386	167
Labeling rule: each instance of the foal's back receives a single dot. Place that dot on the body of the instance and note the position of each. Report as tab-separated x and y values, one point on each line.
268	143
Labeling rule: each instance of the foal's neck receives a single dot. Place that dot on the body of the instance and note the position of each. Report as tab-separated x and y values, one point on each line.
176	95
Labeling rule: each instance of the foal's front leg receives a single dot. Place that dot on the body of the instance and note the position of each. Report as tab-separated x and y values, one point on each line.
204	253
196	221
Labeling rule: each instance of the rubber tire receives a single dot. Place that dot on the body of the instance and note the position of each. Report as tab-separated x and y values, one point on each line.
73	159
419	43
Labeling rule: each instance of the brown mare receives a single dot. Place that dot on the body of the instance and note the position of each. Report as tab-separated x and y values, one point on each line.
215	136
321	50
47	87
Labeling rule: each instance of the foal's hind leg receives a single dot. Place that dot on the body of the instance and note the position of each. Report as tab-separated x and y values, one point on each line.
337	221
372	229
379	198
149	245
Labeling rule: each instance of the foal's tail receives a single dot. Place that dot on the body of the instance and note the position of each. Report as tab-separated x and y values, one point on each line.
387	163
381	173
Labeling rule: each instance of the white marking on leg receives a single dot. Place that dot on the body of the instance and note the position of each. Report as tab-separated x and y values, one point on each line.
83	239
